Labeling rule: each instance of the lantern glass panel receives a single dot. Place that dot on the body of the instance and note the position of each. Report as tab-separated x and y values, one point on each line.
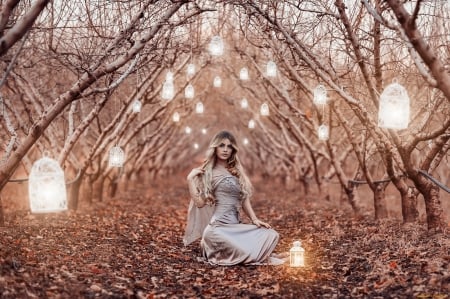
47	187
264	109
116	156
271	69
176	117
243	74
137	105
394	107
168	91
217	81
323	132
216	46
189	92
251	124
244	103
320	95
199	108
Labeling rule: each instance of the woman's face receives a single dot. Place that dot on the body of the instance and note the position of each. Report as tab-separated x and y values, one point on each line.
224	150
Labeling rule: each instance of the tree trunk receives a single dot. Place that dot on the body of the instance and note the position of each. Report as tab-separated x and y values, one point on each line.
75	191
352	198
409	204
2	216
433	208
380	200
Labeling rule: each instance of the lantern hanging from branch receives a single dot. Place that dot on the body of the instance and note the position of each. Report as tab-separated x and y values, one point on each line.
190	71
271	69
176	117
189	92
244	103
196	145
217	81
393	110
137	105
323	132
47	187
264	109
169	76
168	90
116	156
251	124
245	141
204	131
320	95
216	46
297	255
243	74
187	130
199	108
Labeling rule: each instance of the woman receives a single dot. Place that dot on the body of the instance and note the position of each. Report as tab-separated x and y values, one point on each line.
219	189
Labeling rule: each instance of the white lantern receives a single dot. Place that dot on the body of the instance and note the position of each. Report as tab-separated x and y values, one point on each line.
116	156
323	132
196	145
137	105
190	71
176	117
216	46
189	92
188	130
251	124
393	108
47	187
320	95
245	141
204	131
169	76
199	108
271	69
264	109
243	74
217	81
244	103
168	90
297	255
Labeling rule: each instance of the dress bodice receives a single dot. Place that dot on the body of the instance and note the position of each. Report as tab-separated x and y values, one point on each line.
227	193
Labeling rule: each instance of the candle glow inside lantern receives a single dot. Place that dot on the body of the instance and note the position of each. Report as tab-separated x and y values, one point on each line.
264	109
320	95
116	157
189	92
271	69
217	81
323	132
394	108
47	187
251	124
199	108
297	255
243	74
190	71
137	105
176	117
216	46
244	103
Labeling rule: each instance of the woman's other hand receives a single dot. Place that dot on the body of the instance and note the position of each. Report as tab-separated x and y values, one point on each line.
260	223
195	172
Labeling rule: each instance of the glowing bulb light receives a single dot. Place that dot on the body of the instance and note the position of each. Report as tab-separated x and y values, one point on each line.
251	124
47	187
243	74
264	111
216	46
323	132
297	255
116	157
271	69
189	92
137	105
320	95
244	103
199	108
394	108
217	81
176	117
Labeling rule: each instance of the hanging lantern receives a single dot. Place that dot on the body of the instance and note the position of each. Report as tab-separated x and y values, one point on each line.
251	124
169	76
393	110
244	103
297	255
216	46
47	187
116	157
196	145
189	92
188	130
190	70
264	109
137	105
204	131
168	90
245	141
217	81
176	117
243	74
199	108
271	69
320	95
323	132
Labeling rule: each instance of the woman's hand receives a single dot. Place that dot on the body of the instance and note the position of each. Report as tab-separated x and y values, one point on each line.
195	172
260	223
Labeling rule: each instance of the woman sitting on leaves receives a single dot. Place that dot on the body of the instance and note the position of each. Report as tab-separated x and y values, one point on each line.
219	189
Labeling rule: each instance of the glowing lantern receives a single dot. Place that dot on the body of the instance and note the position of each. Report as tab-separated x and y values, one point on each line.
297	255
217	81
189	92
168	90
169	76
199	108
271	69
187	130
176	117
245	141
251	124
264	109
196	145
137	105
216	46
116	157
244	103
320	95
323	132
190	71
393	111
204	131
47	187
243	74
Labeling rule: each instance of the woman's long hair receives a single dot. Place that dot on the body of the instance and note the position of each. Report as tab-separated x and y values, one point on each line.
234	166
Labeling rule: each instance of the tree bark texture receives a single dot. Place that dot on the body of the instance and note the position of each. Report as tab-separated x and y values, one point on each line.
380	201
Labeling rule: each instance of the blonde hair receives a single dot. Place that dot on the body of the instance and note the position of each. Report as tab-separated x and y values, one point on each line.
234	166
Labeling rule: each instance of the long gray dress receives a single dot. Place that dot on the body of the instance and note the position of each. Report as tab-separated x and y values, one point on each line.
225	240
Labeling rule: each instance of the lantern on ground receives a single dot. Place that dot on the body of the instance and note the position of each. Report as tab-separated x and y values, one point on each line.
320	95
116	157
190	71
393	110
189	92
271	69
264	109
244	103
168	90
251	124
297	255
47	187
188	130
217	81
216	46
199	108
176	117
323	132
137	105
243	74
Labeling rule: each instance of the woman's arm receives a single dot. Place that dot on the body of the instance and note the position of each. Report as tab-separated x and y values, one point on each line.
247	207
194	191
